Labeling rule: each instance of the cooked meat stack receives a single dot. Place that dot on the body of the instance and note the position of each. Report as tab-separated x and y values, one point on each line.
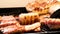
30	21
9	25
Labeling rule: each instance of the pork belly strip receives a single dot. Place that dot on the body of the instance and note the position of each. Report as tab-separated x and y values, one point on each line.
8	20
32	26
19	28
12	29
52	23
8	23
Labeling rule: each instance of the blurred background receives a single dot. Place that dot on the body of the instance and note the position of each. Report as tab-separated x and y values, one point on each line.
14	3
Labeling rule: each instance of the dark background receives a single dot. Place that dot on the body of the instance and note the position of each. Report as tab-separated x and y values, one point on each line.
12	11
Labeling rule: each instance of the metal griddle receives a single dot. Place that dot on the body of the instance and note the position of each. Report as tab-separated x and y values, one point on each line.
12	11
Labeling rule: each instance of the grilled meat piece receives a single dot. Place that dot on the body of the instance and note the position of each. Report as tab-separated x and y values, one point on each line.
8	20
32	26
19	28
52	23
28	18
12	29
